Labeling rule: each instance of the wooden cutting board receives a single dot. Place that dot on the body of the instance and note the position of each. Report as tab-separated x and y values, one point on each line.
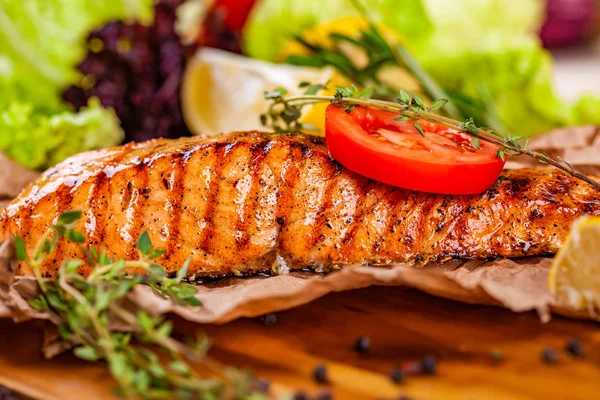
403	325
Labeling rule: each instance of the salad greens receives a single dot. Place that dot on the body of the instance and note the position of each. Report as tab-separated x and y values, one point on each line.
41	41
484	52
37	139
587	110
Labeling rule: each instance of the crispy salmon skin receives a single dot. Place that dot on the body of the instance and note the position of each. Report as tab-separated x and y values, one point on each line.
250	202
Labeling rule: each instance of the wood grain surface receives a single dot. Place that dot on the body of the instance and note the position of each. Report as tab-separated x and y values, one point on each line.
403	325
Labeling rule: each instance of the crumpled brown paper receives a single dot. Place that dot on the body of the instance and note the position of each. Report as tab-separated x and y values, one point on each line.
519	285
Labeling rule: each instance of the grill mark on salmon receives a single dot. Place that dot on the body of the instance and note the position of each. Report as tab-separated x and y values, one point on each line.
133	212
99	197
317	235
356	223
175	189
98	206
22	224
236	202
287	198
221	158
258	153
290	178
89	216
382	209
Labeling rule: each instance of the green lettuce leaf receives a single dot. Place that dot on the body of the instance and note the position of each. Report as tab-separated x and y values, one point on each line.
517	80
587	110
41	41
38	141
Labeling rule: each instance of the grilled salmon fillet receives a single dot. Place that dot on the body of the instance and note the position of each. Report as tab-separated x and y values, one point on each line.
245	203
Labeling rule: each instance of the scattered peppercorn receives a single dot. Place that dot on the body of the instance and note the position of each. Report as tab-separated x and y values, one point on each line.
269	319
300	396
574	348
549	355
428	365
320	373
362	345
397	375
324	395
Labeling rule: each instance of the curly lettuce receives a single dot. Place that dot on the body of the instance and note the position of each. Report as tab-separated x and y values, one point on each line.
37	141
41	41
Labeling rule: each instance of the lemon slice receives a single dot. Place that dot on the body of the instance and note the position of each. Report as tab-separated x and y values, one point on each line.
575	274
223	92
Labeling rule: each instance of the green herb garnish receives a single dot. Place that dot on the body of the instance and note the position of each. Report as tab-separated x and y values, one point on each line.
86	308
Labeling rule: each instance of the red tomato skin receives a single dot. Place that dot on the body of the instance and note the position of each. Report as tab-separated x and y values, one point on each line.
236	12
345	141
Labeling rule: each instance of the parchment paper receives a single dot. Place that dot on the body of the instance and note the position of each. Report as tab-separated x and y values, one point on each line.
519	285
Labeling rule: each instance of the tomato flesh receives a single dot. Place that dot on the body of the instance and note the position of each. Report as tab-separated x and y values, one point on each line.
369	142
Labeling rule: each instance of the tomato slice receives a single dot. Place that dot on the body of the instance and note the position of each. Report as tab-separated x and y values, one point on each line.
369	142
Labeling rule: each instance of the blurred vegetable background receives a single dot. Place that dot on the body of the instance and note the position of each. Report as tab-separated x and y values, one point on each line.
40	42
484	50
78	74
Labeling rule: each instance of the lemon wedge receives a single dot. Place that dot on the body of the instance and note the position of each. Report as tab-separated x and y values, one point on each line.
223	92
575	274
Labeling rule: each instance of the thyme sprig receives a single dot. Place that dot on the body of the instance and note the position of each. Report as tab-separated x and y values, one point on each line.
409	108
85	310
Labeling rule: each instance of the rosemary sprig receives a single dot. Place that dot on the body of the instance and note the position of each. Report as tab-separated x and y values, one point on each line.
84	309
409	108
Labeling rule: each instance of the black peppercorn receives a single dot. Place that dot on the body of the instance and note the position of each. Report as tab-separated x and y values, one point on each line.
549	355
362	345
269	319
320	373
574	348
428	365
396	375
